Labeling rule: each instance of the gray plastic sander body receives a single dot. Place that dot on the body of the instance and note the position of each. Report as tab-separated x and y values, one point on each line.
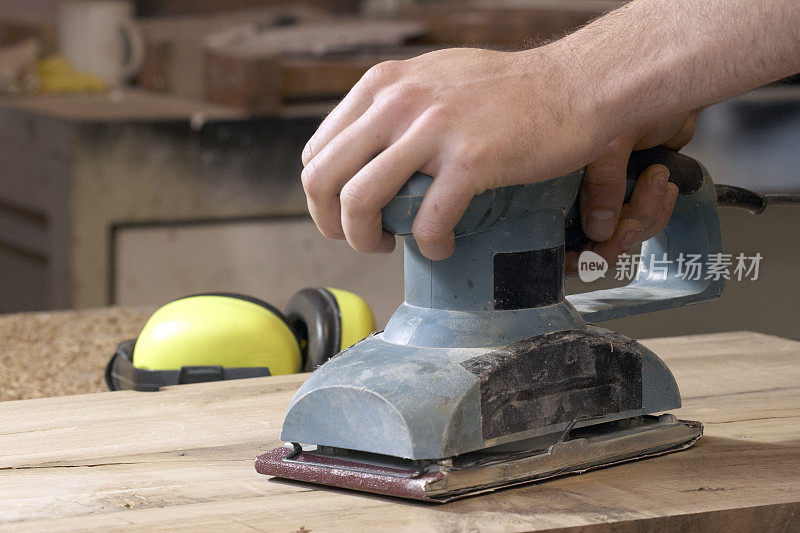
487	375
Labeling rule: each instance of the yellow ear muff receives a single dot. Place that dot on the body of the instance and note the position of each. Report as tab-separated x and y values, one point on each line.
227	330
326	321
356	316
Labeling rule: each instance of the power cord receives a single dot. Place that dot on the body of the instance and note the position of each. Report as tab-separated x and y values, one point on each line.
756	203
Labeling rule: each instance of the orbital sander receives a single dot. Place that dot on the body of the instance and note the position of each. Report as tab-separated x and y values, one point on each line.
487	375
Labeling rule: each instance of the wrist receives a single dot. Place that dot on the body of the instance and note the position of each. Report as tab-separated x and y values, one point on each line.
632	81
585	98
609	93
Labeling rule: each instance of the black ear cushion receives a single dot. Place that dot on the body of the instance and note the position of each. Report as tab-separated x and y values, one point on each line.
313	315
125	352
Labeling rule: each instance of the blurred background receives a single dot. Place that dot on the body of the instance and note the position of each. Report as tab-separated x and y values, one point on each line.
151	149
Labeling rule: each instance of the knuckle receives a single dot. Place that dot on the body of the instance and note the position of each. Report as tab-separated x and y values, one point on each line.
308	152
688	129
463	159
400	99
656	169
426	232
330	232
397	106
602	178
436	116
364	247
473	158
407	91
621	144
354	199
691	120
382	73
313	183
483	154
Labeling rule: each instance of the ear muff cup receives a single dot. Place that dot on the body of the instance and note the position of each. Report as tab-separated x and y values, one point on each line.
356	317
225	329
206	337
326	321
314	318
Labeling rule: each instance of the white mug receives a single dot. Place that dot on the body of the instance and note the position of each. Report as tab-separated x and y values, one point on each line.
100	36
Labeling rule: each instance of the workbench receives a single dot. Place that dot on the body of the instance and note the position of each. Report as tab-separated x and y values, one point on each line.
182	458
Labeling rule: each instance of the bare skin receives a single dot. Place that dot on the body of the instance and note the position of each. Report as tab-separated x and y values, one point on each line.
478	119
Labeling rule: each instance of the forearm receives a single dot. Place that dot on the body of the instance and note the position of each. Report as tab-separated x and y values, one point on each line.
654	58
479	119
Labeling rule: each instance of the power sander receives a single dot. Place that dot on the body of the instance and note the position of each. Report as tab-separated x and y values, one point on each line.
487	375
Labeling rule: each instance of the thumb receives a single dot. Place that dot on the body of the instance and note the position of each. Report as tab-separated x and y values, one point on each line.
603	189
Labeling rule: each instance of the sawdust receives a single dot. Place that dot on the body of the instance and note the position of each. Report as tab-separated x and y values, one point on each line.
61	352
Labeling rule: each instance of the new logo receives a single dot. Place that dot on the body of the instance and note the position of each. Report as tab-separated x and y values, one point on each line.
591	266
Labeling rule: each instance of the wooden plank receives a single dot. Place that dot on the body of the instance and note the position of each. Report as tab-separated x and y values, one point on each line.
175	45
344	34
120	105
333	75
152	8
274	85
249	84
261	71
507	24
182	459
11	32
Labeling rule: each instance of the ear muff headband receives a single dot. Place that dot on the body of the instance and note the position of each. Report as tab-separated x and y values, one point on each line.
244	297
314	317
120	373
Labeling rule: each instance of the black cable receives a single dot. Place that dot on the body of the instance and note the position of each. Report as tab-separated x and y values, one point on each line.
756	203
782	199
730	196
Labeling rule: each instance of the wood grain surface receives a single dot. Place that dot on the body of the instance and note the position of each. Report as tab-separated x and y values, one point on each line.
183	459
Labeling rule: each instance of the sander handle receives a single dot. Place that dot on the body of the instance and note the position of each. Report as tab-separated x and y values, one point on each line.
684	171
675	268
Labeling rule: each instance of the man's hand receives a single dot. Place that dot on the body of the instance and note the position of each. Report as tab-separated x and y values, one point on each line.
473	119
478	119
615	226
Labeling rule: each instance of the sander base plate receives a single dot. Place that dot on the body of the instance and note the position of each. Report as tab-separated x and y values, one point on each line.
443	480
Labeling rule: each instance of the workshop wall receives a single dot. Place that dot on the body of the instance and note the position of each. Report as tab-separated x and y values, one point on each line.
186	180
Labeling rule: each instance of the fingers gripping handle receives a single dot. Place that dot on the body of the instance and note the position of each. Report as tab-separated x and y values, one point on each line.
676	266
684	172
689	241
398	215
